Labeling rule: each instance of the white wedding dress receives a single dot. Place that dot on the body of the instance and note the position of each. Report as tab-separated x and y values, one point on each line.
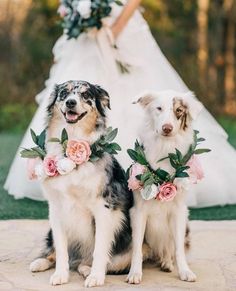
92	59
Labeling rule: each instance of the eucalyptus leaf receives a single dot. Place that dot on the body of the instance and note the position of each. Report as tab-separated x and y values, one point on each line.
40	151
64	136
201	151
111	136
41	139
30	154
145	193
133	155
54	139
34	136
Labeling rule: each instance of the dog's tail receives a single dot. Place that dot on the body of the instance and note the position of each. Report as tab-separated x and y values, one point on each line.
120	264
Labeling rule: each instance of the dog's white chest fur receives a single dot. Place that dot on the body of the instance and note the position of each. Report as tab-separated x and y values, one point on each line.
74	200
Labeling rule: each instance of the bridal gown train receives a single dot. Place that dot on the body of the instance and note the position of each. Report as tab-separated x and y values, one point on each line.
92	59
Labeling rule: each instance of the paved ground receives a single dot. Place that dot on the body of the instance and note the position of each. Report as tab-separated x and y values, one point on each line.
212	258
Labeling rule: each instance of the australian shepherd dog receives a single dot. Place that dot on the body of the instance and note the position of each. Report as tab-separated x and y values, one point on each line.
89	207
163	225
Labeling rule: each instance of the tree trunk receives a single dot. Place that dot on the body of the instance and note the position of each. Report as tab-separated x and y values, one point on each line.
202	20
229	82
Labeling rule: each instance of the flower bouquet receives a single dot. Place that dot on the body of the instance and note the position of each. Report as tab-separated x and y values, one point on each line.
82	15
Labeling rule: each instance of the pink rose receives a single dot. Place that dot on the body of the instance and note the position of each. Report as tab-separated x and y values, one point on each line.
50	166
133	182
62	10
78	151
195	171
167	192
31	164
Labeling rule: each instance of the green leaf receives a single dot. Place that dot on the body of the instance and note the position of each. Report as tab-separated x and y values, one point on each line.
40	151
64	145
173	163
111	136
201	151
146	192
118	2
145	176
162	159
127	173
149	182
34	136
162	174
64	136
41	139
115	146
30	154
54	139
200	139
181	175
94	158
133	155
179	155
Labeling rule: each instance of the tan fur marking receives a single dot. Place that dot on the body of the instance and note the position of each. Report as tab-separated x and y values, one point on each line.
88	123
145	100
181	112
52	257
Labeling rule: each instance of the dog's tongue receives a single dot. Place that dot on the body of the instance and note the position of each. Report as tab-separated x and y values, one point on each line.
71	116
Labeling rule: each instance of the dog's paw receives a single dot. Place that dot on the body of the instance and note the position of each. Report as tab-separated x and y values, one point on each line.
134	278
187	275
94	280
40	265
59	278
167	266
84	270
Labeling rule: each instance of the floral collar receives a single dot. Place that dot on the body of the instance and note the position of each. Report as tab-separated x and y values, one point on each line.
160	184
75	153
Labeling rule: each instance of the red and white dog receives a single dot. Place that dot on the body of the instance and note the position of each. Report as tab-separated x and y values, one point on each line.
163	225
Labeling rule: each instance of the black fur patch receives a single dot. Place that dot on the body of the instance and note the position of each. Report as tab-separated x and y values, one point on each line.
118	196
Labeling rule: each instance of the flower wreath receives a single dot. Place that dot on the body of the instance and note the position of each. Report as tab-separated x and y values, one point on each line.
75	153
159	184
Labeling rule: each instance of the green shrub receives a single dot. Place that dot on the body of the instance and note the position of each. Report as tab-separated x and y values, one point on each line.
16	117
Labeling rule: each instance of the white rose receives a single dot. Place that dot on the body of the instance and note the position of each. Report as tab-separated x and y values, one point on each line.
65	166
39	171
84	8
149	192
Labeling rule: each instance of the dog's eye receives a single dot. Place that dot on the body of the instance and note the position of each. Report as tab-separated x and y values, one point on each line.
85	95
62	94
159	108
179	110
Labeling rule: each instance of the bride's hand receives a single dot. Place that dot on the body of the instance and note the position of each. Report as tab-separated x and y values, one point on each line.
116	30
124	17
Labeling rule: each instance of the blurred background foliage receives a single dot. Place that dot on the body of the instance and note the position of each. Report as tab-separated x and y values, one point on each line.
197	36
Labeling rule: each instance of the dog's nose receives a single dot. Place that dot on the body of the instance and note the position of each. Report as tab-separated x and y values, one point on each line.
71	103
167	128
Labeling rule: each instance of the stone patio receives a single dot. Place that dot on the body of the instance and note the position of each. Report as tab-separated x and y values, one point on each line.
212	258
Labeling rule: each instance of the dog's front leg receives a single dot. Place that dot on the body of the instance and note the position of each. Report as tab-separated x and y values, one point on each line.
61	274
138	223
179	221
107	222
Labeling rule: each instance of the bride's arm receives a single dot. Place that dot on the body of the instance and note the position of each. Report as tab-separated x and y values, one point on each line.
124	17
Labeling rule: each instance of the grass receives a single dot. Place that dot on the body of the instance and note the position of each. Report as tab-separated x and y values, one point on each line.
29	209
9	207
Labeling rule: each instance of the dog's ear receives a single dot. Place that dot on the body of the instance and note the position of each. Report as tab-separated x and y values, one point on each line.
53	98
102	99
194	106
144	99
